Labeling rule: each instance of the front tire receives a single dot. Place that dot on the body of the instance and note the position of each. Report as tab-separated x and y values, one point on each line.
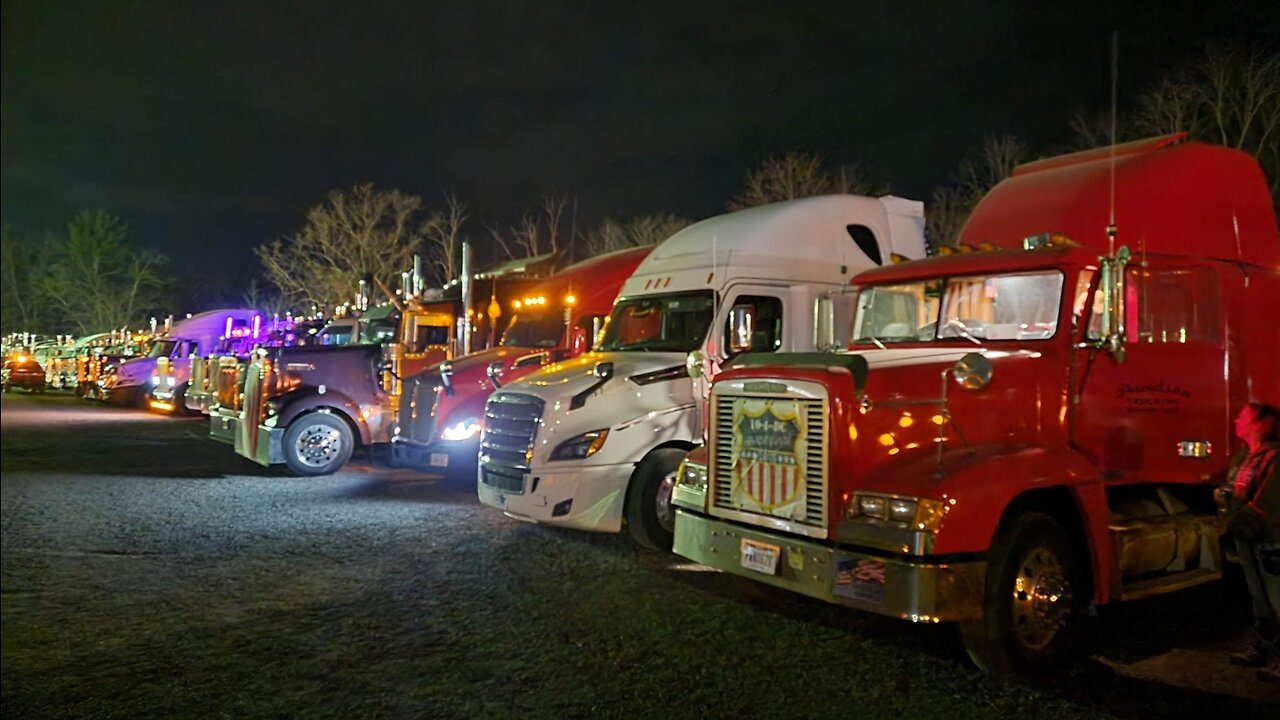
318	443
1034	601
650	515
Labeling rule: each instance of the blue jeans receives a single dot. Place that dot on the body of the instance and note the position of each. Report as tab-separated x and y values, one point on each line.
1264	588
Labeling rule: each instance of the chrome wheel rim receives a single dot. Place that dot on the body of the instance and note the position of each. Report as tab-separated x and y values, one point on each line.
1041	599
662	502
317	445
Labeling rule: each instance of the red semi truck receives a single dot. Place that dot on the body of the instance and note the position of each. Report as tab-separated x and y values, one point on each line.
442	410
1020	433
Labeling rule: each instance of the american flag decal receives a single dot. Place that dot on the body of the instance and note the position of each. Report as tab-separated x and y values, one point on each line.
767	464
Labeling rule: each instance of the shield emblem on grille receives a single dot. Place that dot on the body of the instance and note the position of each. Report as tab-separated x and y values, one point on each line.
768	457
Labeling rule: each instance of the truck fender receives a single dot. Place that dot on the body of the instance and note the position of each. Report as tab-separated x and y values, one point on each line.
1059	481
334	401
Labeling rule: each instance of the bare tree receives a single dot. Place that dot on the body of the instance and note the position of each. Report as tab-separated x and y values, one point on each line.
613	235
443	231
796	175
25	260
537	232
98	280
264	300
354	234
1230	97
978	173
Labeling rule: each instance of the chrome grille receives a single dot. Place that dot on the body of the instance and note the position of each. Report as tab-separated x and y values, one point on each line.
229	383
196	384
417	420
510	425
815	460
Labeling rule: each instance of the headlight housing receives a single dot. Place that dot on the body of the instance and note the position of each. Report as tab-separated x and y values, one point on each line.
580	447
461	430
155	379
692	474
912	513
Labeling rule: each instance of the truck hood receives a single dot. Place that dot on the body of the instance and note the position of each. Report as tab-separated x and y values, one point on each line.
477	364
573	376
135	371
617	401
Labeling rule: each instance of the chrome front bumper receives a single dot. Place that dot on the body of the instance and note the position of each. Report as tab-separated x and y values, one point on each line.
917	591
223	428
267	448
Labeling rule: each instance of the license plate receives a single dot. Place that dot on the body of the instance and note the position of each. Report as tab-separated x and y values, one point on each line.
439	460
760	557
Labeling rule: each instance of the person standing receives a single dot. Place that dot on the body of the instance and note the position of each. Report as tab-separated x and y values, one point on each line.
1254	521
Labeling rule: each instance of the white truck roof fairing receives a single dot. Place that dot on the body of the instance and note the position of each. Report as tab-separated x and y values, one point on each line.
805	240
208	327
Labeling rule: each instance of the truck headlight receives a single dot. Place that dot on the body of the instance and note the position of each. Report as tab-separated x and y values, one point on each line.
914	513
155	379
461	430
170	381
692	474
582	446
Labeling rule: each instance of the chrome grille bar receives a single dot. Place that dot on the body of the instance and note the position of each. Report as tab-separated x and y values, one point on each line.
816	475
506	442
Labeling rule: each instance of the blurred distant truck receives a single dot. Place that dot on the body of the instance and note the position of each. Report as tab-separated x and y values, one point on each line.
131	381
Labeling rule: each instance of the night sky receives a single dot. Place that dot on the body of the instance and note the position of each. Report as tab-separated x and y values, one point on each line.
211	127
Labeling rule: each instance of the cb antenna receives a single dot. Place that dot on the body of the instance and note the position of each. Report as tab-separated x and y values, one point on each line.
1115	82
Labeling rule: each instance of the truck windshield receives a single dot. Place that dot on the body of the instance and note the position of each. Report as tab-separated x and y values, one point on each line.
335	335
1016	306
380	331
659	323
543	330
163	348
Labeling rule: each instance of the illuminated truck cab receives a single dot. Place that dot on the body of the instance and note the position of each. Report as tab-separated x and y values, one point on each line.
1017	433
441	411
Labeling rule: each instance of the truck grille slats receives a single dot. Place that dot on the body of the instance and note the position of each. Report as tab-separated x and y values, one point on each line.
511	423
417	410
815	476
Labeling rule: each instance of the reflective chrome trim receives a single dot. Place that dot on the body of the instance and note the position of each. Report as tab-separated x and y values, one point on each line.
506	440
813	397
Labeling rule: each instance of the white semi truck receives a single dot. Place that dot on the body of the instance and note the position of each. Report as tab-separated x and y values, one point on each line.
594	442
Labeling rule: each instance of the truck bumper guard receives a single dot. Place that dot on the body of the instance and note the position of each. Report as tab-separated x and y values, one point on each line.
918	591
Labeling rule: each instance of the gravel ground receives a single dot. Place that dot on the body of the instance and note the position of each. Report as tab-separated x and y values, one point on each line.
147	571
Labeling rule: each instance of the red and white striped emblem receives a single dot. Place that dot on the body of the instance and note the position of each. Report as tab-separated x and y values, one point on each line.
769	484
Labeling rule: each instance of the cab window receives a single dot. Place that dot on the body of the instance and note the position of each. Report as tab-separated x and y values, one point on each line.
1172	305
766	330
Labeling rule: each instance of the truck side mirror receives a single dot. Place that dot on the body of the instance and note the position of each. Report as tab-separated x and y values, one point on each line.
494	372
695	364
973	371
578	341
603	370
824	323
742	322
